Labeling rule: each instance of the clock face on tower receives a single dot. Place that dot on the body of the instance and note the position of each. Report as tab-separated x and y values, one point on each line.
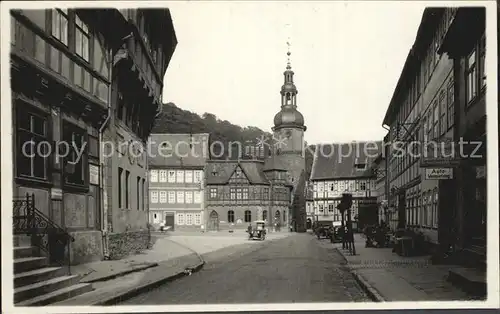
288	134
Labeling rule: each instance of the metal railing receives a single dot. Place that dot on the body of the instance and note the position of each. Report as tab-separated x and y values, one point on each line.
45	234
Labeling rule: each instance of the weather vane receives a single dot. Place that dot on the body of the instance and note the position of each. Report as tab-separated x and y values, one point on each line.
288	53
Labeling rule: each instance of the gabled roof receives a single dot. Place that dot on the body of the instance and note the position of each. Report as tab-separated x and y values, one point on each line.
337	161
220	171
173	150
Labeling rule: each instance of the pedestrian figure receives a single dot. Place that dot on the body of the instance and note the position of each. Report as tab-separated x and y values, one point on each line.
162	226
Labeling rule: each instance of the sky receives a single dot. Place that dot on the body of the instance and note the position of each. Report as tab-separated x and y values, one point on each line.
347	59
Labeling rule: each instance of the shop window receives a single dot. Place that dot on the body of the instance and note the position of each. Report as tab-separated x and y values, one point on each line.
248	216
230	216
76	166
31	133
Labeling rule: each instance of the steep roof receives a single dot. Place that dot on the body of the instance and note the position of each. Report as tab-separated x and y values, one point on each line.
337	160
220	171
173	150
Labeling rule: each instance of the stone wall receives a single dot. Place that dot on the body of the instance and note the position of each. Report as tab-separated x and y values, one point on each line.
86	248
128	243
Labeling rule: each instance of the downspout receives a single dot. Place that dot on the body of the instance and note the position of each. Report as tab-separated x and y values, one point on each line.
104	194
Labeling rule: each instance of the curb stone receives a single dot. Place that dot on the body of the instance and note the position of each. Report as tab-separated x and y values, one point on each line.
146	287
367	288
121	274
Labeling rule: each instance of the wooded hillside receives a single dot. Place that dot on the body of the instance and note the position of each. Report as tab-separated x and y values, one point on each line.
173	119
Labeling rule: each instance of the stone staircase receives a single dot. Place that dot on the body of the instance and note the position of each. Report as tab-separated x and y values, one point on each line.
37	283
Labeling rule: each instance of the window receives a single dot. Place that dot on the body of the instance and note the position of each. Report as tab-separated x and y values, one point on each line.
213	193
442	111
171	197
189	197
120	187
31	132
233	194
436	207
471	76
266	193
451	104
189	176
180	219
180	197
189	219
230	216
197	219
154	176
197	176
163	196
248	216
180	176
76	168
330	208
237	173
245	193
154	196
163	176
436	119
143	191
171	176
482	61
362	186
264	214
197	197
127	186
82	38
238	194
60	25
138	185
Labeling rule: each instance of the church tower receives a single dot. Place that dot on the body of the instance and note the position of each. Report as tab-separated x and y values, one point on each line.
288	132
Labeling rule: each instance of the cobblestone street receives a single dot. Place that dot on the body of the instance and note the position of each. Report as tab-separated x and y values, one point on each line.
297	268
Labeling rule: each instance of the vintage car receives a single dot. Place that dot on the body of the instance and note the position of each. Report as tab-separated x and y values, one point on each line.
258	231
323	229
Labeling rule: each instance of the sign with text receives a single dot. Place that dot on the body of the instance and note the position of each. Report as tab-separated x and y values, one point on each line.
438	173
94	174
440	153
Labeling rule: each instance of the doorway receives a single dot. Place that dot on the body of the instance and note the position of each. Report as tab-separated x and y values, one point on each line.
170	221
213	221
309	223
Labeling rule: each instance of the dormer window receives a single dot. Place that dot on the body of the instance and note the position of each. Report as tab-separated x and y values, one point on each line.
360	164
238	172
